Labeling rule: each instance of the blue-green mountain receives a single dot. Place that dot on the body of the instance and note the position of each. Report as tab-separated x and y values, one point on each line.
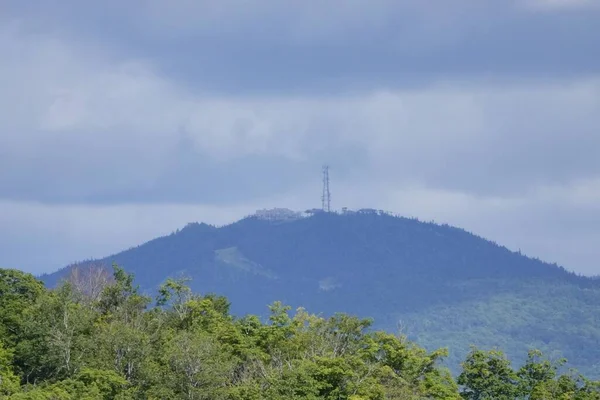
439	285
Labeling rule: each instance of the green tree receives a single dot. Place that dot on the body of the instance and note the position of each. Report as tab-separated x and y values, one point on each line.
198	366
9	382
487	375
18	291
65	344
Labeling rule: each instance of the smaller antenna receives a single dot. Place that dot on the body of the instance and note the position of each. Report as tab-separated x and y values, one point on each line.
326	198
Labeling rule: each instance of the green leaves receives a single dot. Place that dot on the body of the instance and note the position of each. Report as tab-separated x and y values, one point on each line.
197	365
9	382
488	376
18	291
66	345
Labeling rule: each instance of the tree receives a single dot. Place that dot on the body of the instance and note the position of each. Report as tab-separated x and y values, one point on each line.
9	382
537	377
89	281
18	291
487	375
122	330
56	336
198	366
70	345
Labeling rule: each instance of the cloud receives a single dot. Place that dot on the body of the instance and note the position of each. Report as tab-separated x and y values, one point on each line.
100	130
481	114
265	46
561	5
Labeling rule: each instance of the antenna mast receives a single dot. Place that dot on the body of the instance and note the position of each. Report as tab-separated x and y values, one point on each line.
326	199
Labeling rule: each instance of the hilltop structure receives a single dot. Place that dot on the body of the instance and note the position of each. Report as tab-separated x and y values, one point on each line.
278	214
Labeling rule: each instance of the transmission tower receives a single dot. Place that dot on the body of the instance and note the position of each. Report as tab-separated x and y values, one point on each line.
326	198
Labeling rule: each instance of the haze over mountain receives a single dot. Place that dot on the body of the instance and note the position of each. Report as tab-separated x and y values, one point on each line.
441	285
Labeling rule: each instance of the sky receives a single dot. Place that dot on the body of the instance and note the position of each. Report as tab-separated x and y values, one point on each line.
123	121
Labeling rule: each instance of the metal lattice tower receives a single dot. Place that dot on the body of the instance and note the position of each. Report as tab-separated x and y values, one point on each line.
326	198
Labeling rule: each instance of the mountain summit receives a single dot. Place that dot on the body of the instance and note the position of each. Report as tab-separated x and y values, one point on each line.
440	285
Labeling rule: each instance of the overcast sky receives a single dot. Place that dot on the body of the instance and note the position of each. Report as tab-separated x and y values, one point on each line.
123	120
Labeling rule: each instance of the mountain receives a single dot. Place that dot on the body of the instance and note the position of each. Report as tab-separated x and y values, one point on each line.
441	285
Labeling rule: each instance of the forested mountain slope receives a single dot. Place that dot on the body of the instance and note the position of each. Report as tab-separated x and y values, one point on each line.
441	285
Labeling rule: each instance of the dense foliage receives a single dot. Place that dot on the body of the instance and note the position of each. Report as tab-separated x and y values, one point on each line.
97	337
561	320
445	286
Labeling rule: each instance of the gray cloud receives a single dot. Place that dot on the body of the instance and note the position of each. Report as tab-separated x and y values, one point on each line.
265	46
124	133
483	115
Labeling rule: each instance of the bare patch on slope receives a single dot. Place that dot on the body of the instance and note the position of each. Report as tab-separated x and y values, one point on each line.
232	257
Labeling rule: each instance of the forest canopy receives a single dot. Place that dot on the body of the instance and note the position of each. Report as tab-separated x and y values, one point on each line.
96	336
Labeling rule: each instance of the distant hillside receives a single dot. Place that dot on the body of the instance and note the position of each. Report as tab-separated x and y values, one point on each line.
441	285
